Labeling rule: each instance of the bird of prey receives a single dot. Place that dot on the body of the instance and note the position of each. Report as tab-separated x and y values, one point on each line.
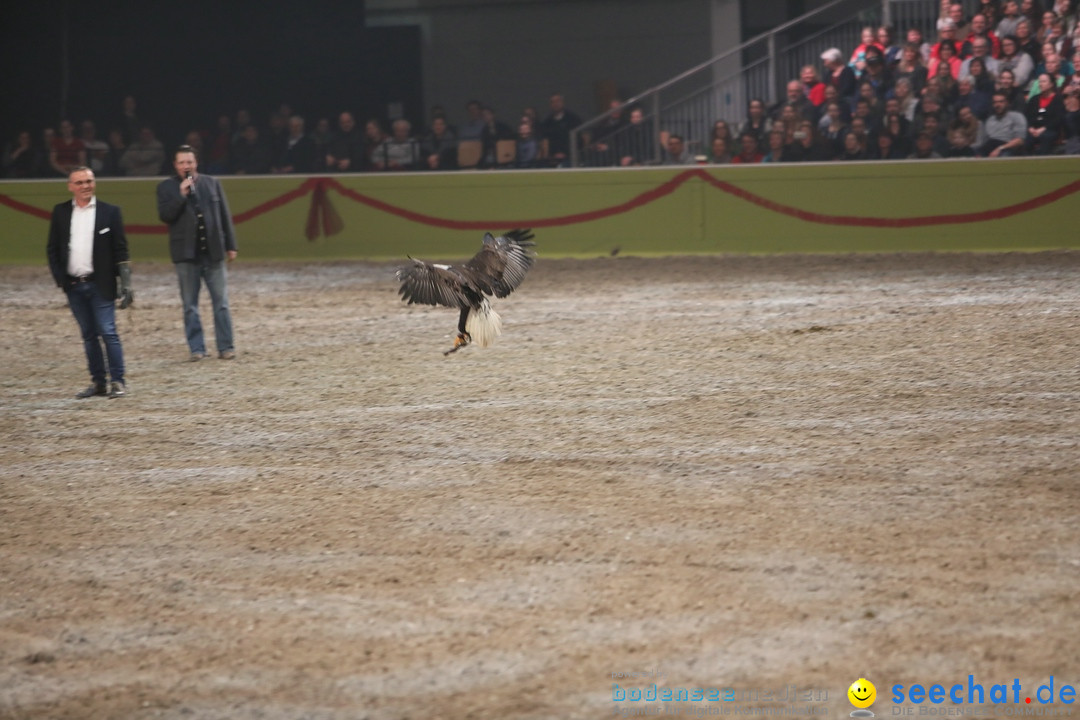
496	270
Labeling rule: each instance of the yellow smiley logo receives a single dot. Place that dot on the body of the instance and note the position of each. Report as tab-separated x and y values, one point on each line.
862	693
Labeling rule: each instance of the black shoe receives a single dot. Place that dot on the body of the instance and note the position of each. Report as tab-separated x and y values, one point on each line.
117	390
95	389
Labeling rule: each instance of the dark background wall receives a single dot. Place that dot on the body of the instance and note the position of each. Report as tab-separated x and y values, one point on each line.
186	62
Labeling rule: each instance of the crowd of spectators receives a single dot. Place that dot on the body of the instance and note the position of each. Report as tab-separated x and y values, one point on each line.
238	145
1005	81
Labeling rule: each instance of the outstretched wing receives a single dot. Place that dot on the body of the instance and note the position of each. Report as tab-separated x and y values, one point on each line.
424	283
502	262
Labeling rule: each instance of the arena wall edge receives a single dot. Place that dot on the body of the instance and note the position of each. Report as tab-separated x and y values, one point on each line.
977	205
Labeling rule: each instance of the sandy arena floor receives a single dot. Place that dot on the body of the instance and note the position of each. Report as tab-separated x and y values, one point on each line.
719	472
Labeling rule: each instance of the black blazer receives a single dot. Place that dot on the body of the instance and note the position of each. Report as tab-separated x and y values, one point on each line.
110	246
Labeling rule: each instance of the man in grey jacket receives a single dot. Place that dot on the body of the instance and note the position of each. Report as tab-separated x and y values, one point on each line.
202	240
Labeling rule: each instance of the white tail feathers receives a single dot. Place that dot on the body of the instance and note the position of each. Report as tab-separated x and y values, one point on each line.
483	324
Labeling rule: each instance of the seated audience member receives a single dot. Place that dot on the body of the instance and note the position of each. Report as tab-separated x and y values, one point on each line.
439	148
832	128
935	128
556	128
876	73
1029	44
218	147
1014	95
373	137
1046	25
946	36
910	67
863	114
66	151
400	151
749	154
857	62
722	130
977	100
960	144
473	127
20	156
600	152
97	150
807	146
944	85
969	123
832	96
144	157
946	56
1005	130
795	99
924	148
980	51
756	121
1071	122
117	148
789	121
297	153
889	48
776	147
875	108
719	151
906	100
251	156
321	138
528	154
914	37
980	30
885	147
345	151
853	149
862	133
1045	115
954	12
898	126
1056	67
635	145
813	88
44	169
839	75
1010	17
1015	60
675	152
494	131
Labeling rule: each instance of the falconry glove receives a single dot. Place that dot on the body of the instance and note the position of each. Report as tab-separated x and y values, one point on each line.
127	295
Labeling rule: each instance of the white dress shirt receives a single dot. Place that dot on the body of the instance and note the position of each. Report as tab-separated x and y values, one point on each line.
81	245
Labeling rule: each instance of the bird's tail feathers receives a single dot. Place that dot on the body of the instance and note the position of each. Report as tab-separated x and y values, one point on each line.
484	324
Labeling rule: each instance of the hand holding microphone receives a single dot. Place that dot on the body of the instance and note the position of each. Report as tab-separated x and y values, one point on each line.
187	185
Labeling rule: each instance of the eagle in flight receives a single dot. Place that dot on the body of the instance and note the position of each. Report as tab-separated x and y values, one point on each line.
497	270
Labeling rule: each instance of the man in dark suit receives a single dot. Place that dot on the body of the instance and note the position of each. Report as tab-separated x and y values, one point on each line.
87	250
201	240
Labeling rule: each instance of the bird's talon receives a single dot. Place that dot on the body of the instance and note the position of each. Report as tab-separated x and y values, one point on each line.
460	341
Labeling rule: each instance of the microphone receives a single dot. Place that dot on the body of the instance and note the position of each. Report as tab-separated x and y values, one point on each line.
191	189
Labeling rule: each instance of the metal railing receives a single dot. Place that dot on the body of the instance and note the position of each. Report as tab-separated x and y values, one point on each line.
720	88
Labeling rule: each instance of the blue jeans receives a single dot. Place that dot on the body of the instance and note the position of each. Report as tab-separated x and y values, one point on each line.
97	323
191	276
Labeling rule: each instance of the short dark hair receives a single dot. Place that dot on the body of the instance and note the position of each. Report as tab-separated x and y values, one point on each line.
185	149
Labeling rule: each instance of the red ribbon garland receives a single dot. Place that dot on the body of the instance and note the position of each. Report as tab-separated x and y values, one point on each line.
324	220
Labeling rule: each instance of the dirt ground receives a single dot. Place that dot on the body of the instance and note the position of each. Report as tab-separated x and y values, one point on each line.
744	472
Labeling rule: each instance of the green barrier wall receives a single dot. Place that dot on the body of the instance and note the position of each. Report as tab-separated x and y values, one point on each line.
1019	204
